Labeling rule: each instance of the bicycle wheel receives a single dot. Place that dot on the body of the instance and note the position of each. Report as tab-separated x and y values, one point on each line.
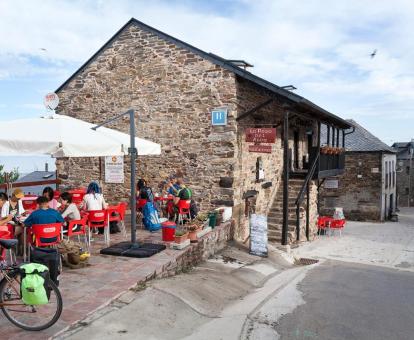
27	317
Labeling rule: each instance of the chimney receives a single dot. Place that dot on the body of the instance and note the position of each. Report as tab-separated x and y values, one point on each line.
46	167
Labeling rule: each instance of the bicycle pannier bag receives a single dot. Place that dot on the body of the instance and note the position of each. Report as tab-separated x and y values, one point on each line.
34	284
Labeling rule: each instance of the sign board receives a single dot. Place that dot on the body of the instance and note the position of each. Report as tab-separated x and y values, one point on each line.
258	235
261	135
114	169
331	184
375	170
219	116
260	148
51	101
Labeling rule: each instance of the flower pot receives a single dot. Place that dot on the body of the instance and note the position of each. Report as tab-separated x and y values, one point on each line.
192	235
181	238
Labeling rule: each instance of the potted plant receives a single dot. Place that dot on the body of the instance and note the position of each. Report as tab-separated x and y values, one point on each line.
180	236
193	230
324	150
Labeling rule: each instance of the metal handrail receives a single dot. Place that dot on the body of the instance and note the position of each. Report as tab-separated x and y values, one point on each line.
300	197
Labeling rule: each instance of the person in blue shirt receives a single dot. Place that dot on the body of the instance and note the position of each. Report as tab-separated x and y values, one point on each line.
43	215
175	186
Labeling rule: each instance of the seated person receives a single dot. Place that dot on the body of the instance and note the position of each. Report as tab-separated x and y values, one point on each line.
14	206
144	191
183	194
93	200
69	210
43	215
174	186
50	195
9	217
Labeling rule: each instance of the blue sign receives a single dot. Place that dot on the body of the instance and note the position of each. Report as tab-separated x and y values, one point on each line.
219	116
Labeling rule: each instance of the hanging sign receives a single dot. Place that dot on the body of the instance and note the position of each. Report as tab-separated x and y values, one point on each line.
261	135
114	169
260	148
258	235
219	116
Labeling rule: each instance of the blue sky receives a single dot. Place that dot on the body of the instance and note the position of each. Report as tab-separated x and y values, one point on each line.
322	47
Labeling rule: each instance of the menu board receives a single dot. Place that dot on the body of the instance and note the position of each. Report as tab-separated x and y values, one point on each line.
114	169
258	235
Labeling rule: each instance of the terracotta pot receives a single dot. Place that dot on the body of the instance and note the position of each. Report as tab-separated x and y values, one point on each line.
181	239
192	235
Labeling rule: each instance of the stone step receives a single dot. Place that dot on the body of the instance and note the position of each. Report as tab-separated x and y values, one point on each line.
276	227
279	221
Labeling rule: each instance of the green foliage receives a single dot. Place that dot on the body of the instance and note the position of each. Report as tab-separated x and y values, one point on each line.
13	175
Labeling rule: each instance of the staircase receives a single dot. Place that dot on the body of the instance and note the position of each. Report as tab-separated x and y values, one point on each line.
275	216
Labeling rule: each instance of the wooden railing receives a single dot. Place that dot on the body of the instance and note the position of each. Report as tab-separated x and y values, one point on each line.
7	186
328	165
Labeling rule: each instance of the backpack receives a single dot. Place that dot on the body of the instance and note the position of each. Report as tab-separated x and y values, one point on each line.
151	219
34	285
193	209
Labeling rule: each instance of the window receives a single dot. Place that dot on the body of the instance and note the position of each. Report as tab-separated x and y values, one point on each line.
407	170
386	174
407	191
393	174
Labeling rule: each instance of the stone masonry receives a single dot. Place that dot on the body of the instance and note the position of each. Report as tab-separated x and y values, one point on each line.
359	189
173	92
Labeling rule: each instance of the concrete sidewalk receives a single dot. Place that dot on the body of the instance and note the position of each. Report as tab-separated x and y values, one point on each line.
220	292
88	289
389	244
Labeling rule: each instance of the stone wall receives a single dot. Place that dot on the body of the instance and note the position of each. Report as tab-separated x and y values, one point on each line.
359	189
173	92
404	171
207	246
249	96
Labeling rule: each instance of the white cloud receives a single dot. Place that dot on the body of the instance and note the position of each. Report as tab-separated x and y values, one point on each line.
321	47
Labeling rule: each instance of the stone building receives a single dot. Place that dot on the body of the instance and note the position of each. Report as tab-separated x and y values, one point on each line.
367	190
405	175
174	87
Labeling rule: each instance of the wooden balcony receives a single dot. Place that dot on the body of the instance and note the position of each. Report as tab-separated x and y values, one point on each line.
328	165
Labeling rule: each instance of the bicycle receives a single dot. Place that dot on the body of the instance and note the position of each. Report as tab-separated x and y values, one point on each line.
27	317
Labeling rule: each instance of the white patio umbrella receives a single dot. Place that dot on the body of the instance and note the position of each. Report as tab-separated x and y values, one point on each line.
64	136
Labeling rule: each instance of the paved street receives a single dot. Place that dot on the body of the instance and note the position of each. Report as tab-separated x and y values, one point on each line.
362	288
352	301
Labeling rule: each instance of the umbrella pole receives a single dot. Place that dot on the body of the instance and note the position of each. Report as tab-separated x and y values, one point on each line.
133	156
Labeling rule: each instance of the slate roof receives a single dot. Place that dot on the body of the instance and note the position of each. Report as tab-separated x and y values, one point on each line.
37	176
361	140
403	149
364	141
293	98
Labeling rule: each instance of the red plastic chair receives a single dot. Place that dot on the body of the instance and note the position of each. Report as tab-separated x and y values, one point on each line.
5	235
141	203
117	214
323	223
29	203
339	225
77	195
183	207
78	228
44	235
99	219
56	195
